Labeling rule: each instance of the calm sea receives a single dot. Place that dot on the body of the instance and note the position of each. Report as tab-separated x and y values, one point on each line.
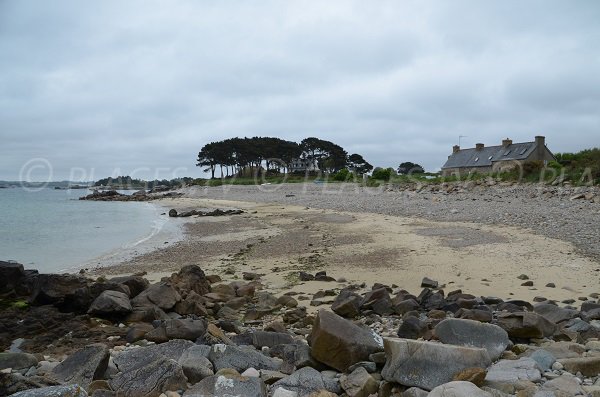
52	231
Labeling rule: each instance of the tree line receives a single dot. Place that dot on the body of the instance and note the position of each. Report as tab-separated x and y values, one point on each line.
240	156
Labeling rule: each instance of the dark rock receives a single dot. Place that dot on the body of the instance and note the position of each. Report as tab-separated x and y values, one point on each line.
57	289
484	316
322	276
15	382
379	301
406	306
589	305
136	284
347	304
110	303
187	329
137	332
473	334
12	275
413	328
173	213
303	276
83	366
191	278
192	304
162	295
340	343
151	378
17	360
554	313
525	325
306	381
431	300
294	355
84	296
429	283
146	314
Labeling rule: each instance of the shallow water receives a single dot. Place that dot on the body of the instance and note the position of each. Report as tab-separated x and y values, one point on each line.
52	231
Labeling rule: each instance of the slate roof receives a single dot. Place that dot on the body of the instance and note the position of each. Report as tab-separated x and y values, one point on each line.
484	158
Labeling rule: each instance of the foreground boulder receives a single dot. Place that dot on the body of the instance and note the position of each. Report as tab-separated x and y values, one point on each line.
307	381
53	391
131	359
57	289
340	343
83	366
161	294
150	379
227	385
588	366
177	329
359	383
428	364
474	334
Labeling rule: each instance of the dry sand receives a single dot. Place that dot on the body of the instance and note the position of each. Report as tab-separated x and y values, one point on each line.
279	240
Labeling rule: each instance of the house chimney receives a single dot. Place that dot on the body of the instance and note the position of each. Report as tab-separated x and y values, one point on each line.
479	146
540	141
506	142
455	149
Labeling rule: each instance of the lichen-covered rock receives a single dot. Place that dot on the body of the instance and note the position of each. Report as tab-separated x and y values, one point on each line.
306	381
340	343
227	385
83	366
17	360
428	364
53	391
240	359
151	379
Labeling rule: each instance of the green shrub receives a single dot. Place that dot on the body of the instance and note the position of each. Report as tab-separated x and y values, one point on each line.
383	173
342	175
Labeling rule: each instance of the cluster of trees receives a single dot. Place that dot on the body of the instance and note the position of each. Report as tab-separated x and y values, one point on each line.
240	156
587	160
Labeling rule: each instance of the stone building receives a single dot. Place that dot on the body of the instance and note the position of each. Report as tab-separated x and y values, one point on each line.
486	159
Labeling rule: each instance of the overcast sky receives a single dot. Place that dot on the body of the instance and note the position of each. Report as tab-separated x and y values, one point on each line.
119	87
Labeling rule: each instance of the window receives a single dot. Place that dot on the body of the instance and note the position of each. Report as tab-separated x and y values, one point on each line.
476	159
523	151
489	158
507	152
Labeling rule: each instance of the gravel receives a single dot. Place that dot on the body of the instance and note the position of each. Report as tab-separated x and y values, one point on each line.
547	210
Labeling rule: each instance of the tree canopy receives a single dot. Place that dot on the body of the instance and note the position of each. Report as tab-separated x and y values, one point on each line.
238	155
410	168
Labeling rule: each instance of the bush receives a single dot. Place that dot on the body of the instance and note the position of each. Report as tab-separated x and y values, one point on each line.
383	173
342	175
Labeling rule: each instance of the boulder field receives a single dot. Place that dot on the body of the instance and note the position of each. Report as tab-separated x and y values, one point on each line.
193	334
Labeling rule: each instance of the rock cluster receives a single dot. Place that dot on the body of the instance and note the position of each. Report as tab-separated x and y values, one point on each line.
113	195
194	335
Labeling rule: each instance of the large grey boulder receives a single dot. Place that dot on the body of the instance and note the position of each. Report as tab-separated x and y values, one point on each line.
83	366
588	366
428	364
136	284
53	391
526	325
554	313
187	328
228	385
17	360
129	359
150	379
340	343
240	359
306	381
110	303
270	339
473	334
458	389
504	374
359	383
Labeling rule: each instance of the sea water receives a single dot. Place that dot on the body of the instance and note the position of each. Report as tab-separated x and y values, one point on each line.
53	231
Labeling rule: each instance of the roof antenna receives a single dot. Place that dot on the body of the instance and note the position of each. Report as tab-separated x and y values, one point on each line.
460	137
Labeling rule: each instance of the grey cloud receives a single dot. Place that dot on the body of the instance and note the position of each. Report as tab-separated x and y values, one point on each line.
112	85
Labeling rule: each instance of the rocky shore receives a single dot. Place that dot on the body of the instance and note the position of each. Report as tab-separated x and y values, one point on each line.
141	195
192	334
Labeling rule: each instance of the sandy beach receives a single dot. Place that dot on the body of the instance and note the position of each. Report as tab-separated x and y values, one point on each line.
278	240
